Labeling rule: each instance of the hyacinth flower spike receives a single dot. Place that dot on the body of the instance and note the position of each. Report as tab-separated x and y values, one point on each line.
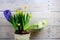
7	14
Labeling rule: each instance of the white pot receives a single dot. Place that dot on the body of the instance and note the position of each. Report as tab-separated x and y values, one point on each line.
22	36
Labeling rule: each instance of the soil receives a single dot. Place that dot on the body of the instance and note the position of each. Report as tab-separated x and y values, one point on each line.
21	32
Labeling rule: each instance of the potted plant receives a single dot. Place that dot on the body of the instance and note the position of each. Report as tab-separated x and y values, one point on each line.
20	22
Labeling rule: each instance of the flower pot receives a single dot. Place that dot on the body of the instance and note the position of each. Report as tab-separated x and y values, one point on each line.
22	36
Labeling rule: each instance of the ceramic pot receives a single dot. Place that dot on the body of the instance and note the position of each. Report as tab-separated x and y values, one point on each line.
22	36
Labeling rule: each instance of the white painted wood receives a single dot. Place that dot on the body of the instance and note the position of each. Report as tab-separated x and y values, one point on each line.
41	10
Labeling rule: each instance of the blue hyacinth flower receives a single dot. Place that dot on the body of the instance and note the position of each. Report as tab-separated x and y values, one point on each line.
7	14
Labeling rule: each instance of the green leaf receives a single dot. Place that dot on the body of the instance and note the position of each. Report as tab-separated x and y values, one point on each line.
13	22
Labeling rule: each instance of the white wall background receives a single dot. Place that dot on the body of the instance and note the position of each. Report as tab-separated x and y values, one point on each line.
41	9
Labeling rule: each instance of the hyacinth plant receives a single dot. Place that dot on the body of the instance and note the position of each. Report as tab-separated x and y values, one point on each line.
20	21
